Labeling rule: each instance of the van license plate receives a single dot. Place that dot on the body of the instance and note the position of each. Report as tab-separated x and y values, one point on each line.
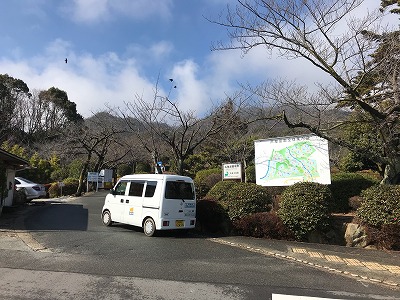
179	223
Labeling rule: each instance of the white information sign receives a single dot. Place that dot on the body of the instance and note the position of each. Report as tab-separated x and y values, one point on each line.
232	171
93	177
286	160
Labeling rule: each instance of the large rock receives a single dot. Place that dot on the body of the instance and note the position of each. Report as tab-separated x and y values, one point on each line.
355	236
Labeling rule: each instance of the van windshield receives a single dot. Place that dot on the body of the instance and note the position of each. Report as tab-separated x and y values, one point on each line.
179	190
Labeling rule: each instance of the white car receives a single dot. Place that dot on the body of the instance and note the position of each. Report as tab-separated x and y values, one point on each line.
32	190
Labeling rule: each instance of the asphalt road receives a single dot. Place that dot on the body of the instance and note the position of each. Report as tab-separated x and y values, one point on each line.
79	258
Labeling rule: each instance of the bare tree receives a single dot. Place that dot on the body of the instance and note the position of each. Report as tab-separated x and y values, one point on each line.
327	35
89	141
161	121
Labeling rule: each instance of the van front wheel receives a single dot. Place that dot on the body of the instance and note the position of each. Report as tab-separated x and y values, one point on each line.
149	227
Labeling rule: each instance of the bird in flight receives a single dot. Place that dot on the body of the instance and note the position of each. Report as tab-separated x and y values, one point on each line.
66	60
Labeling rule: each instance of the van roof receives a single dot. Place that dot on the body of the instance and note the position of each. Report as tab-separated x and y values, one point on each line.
156	176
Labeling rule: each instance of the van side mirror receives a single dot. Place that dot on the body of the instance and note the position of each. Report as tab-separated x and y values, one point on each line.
112	191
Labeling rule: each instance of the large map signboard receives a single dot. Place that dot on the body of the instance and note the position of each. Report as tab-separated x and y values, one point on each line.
286	160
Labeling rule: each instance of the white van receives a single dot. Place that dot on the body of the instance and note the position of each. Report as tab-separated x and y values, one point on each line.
152	201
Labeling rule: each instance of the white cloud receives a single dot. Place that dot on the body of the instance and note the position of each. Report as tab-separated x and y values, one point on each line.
91	82
191	92
161	49
89	10
94	11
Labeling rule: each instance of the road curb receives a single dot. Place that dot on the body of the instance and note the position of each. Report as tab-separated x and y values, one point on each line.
276	254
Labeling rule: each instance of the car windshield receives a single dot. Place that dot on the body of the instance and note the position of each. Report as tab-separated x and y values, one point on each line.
179	190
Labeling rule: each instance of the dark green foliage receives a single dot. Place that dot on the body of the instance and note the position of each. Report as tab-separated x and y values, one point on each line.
143	168
54	190
124	170
212	217
205	180
263	225
276	194
380	206
70	187
346	185
251	173
59	100
221	189
240	199
304	208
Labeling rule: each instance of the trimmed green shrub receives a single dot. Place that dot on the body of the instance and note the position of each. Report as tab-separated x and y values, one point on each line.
70	187
205	180
276	194
240	199
380	206
304	208
54	190
212	217
220	190
347	185
263	225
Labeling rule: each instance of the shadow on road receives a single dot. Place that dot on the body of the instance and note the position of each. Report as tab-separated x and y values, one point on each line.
58	216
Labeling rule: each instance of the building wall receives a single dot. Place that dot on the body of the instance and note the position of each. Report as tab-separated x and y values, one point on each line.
8	201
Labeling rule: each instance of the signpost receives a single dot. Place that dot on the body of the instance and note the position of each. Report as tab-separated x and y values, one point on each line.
92	177
232	171
61	185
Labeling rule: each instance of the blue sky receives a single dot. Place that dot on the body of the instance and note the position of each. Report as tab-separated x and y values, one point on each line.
117	49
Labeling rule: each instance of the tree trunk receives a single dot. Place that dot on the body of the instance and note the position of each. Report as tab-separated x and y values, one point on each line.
179	166
82	175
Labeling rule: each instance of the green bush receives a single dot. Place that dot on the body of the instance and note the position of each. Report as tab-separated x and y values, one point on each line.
304	208
205	180
240	199
380	206
263	225
54	190
220	190
347	185
70	187
211	217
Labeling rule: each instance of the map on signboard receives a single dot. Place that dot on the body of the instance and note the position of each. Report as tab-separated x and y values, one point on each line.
284	161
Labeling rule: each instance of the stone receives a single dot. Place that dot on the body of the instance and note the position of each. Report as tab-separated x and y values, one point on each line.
355	236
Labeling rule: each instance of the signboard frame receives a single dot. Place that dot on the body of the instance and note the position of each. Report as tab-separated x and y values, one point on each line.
232	171
283	161
92	177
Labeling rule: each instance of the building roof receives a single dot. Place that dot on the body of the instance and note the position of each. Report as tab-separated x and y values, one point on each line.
12	160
